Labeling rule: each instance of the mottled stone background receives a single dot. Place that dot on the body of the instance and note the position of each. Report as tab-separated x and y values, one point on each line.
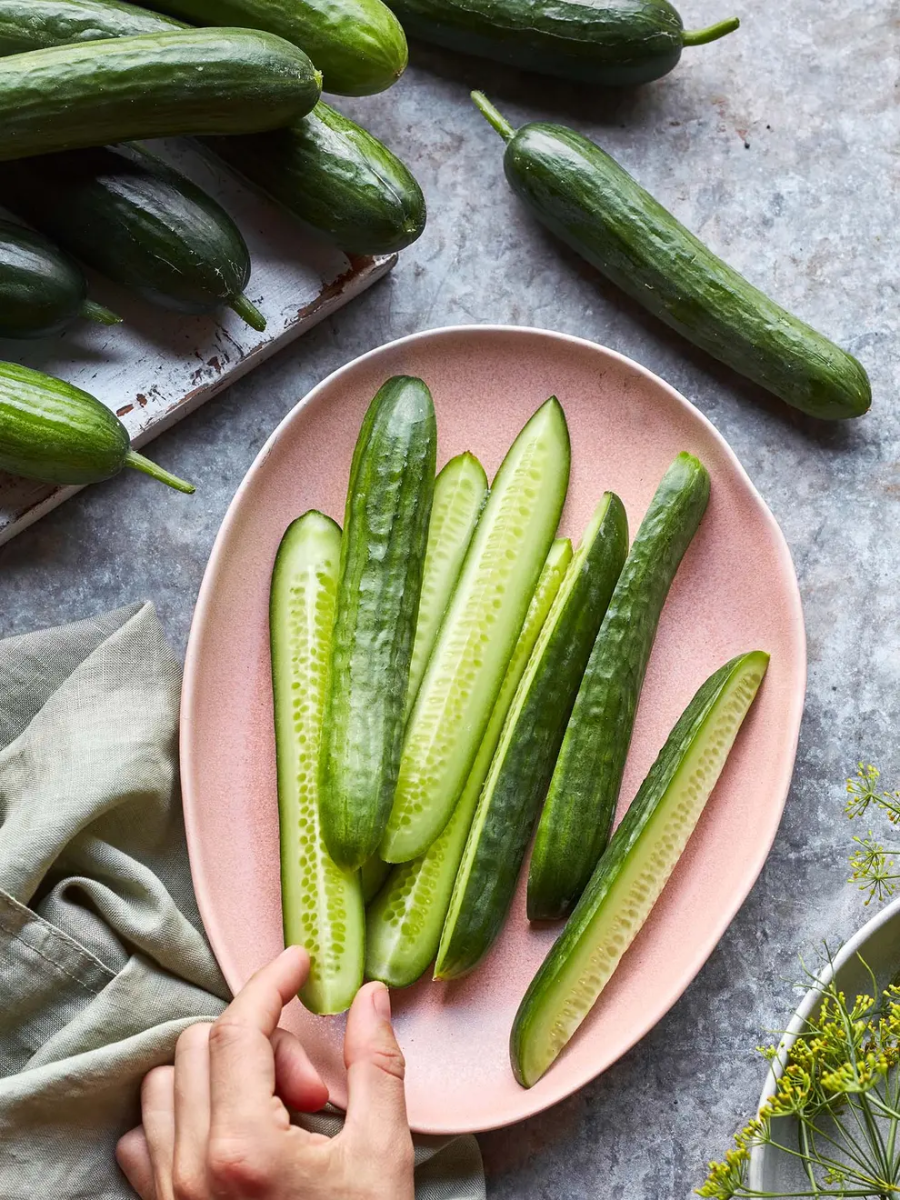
781	147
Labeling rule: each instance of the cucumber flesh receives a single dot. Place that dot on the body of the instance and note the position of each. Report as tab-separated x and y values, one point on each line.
405	922
523	763
460	491
322	905
479	633
631	875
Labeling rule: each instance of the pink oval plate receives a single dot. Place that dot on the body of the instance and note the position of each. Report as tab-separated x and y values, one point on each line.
736	591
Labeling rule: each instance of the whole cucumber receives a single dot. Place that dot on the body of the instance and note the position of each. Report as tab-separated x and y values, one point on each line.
610	43
358	45
585	198
141	223
53	431
42	291
193	81
34	24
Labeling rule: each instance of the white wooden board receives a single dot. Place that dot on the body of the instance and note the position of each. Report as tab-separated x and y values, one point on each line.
159	366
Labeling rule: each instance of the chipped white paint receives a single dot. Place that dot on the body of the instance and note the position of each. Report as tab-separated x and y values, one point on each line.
159	366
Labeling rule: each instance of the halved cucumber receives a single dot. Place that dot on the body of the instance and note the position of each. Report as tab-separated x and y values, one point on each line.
631	875
404	924
479	633
460	491
581	802
524	761
321	904
382	556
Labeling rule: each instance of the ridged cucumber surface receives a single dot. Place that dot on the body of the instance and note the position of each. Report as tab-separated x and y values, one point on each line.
382	556
405	922
35	24
581	802
523	763
460	491
631	875
479	633
189	81
322	905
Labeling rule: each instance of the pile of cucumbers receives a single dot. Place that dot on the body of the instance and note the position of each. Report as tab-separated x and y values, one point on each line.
450	676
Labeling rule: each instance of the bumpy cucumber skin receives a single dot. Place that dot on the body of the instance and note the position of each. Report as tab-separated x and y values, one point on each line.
35	24
523	765
405	922
581	802
335	177
550	977
358	45
136	220
322	905
583	196
197	81
382	555
42	291
619	43
479	633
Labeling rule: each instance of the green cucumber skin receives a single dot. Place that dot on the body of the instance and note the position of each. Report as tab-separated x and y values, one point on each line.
523	765
42	292
36	24
583	196
136	220
372	875
198	81
581	802
358	45
641	811
336	178
382	555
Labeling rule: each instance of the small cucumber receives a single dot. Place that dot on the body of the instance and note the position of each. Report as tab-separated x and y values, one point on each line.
321	904
460	491
631	875
42	291
583	196
581	803
524	761
479	633
359	45
139	222
404	924
382	556
192	81
35	24
609	43
55	432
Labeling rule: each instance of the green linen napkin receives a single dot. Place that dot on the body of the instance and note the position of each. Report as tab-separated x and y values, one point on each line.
103	960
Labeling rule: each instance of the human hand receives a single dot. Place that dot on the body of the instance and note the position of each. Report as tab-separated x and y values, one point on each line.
216	1126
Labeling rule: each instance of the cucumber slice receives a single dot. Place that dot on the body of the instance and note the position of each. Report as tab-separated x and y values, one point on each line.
404	924
479	633
581	802
460	491
372	875
382	556
321	904
524	761
631	875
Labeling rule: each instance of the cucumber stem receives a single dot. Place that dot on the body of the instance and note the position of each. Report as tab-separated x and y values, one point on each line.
247	312
139	463
96	312
701	37
492	116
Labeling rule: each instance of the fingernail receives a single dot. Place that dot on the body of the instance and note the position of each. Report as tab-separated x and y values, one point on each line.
381	1001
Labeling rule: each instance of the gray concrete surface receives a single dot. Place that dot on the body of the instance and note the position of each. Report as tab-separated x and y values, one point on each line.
779	146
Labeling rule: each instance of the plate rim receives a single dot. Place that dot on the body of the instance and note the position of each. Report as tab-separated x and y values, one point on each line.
793	714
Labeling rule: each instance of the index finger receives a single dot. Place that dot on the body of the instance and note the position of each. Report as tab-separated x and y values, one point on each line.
241	1058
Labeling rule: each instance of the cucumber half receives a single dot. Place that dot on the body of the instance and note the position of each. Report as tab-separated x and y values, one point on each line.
321	904
479	633
631	875
405	922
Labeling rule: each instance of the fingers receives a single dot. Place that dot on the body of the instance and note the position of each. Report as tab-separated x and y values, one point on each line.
158	1114
192	1112
376	1111
241	1058
133	1157
297	1081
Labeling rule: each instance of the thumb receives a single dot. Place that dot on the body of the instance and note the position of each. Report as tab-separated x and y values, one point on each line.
376	1108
